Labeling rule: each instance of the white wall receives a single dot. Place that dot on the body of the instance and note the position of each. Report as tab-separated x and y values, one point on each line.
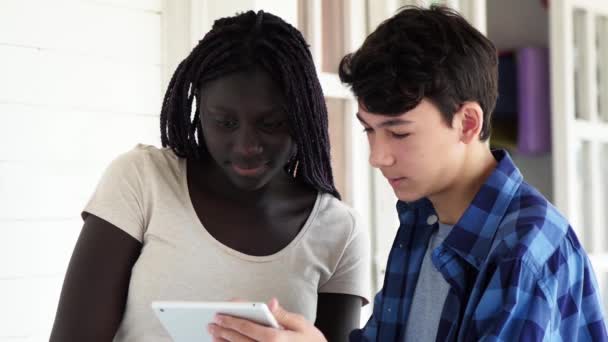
80	83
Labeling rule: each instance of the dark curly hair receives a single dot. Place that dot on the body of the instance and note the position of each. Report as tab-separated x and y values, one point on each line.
424	53
244	42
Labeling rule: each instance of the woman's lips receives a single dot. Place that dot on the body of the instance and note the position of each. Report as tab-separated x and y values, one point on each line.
249	171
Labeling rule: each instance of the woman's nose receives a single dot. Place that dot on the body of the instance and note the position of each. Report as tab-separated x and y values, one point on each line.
247	142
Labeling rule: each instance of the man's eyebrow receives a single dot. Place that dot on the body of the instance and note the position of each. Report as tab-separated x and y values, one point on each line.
387	123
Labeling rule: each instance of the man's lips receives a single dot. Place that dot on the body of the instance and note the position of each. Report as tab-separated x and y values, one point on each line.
395	181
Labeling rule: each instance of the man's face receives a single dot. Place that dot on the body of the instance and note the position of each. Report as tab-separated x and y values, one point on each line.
418	153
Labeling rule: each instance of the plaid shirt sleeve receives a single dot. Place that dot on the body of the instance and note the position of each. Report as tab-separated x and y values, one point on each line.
556	301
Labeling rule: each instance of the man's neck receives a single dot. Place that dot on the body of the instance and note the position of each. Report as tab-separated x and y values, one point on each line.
452	202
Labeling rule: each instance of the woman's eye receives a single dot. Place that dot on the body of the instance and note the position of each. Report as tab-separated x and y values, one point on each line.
228	124
273	124
367	130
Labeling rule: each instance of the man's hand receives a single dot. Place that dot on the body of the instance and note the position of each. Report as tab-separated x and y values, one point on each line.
295	328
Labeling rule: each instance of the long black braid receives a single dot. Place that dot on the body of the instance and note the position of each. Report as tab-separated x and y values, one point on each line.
243	42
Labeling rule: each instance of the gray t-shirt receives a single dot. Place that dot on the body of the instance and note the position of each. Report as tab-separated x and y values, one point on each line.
429	296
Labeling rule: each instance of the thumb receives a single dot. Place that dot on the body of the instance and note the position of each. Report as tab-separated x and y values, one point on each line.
286	319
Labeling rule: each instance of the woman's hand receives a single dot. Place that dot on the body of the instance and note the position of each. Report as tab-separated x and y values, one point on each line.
295	328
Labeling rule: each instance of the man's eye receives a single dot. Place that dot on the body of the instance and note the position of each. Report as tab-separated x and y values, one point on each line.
367	130
400	135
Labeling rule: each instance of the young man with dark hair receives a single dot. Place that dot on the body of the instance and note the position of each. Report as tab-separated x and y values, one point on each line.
480	254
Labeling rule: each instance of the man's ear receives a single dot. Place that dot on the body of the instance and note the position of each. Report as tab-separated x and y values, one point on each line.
469	121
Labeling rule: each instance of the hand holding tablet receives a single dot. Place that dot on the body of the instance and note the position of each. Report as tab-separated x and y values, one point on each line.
187	321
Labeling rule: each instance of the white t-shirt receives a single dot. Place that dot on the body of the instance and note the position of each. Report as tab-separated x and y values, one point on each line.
144	192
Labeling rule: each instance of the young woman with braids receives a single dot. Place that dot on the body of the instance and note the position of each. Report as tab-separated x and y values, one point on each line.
239	202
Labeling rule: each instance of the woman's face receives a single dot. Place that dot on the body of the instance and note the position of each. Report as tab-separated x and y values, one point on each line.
245	128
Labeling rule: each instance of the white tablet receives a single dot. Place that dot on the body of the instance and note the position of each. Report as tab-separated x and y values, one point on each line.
188	321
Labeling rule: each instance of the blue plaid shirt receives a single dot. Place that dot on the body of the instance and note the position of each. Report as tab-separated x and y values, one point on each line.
516	270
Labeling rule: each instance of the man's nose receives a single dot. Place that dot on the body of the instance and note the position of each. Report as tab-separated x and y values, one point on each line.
379	153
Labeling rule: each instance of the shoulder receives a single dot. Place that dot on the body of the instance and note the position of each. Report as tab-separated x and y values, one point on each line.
534	232
143	159
536	251
142	153
337	218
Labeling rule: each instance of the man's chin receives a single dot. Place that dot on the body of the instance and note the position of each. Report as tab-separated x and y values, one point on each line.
407	196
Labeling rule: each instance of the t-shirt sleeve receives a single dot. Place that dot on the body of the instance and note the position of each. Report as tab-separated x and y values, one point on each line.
118	197
352	274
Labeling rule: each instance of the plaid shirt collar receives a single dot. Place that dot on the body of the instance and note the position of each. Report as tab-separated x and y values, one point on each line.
473	234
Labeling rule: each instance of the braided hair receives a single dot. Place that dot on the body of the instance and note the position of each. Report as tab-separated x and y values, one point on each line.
243	42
